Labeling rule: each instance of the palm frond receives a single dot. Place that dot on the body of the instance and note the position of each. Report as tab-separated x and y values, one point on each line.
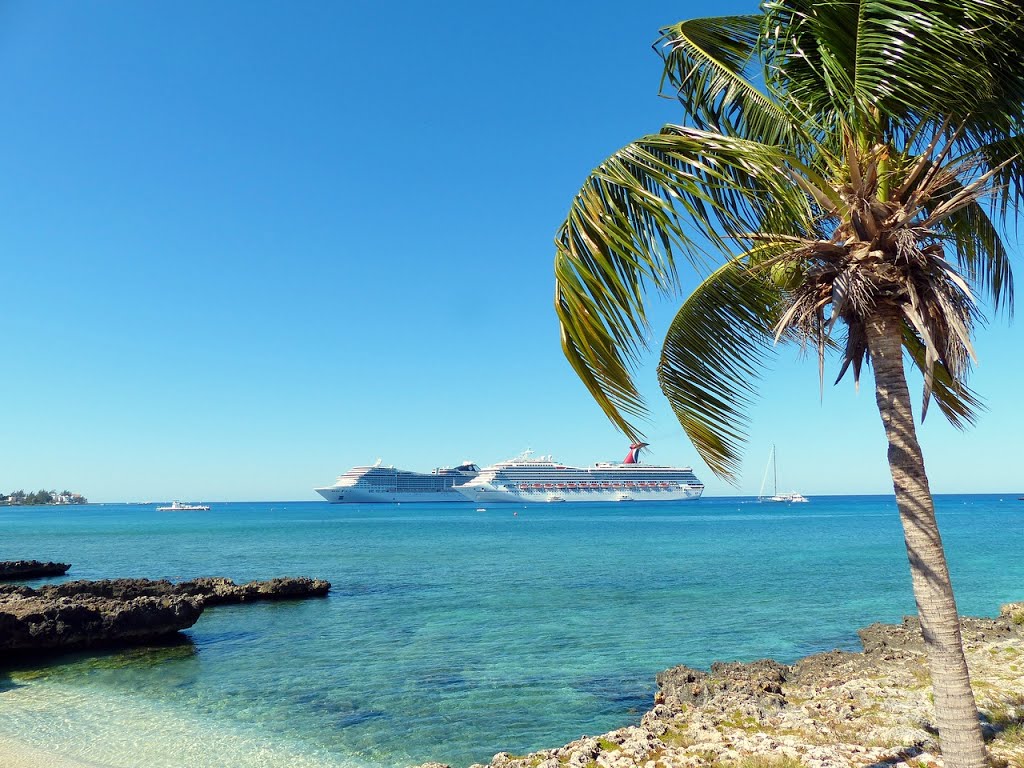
958	403
812	58
898	59
593	350
940	309
674	194
709	63
870	150
1006	152
981	254
711	360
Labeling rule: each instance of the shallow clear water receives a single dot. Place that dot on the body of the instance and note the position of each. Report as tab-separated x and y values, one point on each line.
451	634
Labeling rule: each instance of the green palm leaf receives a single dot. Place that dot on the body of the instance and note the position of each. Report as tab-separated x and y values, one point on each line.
626	228
711	360
994	150
981	254
707	63
899	57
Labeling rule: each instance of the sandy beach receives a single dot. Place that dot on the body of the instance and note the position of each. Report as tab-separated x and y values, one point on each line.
14	754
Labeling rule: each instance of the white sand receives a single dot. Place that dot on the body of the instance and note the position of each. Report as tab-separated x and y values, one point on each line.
16	755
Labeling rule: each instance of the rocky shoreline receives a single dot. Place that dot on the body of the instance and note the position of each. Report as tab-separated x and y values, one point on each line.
77	615
831	710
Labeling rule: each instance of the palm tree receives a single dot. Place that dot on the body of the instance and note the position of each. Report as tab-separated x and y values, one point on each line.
854	162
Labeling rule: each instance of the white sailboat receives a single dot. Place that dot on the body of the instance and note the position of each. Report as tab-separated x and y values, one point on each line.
788	498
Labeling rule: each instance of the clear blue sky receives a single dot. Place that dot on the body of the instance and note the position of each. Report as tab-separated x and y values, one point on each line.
246	245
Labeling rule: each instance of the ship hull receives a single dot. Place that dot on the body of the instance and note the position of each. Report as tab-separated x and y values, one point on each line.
482	495
350	495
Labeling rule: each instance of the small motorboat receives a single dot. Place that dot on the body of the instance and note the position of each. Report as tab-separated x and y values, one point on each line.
177	506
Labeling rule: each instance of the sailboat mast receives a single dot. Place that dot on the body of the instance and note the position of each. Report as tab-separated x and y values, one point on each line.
764	478
775	472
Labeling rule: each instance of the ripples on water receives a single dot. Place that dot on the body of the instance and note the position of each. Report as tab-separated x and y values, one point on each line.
452	634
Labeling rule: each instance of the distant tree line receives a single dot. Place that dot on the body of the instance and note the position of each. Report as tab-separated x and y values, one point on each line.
20	498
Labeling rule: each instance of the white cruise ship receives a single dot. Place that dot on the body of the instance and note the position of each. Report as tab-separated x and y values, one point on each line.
387	485
524	479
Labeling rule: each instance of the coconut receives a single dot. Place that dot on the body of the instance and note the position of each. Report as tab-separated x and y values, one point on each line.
787	275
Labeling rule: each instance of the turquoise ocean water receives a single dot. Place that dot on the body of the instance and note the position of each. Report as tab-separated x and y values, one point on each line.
451	633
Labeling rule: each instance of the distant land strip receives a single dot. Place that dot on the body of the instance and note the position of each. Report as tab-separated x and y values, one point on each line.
41	497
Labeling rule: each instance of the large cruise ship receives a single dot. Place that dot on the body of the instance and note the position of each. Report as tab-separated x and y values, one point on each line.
525	479
377	484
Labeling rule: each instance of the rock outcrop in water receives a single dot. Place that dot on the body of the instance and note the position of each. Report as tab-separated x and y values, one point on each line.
116	612
212	590
11	570
830	710
36	624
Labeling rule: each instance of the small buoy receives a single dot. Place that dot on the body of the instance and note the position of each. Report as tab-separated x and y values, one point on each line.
515	514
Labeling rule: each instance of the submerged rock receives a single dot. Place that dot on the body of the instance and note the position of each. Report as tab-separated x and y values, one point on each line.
30	569
115	612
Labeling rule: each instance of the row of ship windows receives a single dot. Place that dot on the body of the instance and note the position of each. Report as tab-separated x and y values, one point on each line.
621	471
584	487
405	486
590	480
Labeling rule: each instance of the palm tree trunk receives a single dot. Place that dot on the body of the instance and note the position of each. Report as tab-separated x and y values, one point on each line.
956	713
